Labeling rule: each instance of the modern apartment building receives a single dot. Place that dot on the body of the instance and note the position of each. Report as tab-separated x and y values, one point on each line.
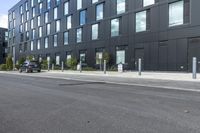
165	34
3	44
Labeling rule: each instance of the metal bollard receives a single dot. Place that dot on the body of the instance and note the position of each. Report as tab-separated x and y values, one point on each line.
80	66
194	68
48	66
104	66
62	66
100	65
52	66
139	67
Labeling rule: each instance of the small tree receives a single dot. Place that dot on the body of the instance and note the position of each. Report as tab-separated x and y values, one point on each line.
30	58
21	60
71	63
44	64
107	57
9	63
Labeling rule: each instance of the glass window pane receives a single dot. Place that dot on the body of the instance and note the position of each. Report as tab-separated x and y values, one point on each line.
176	13
121	6
99	12
115	27
79	4
83	17
66	8
94	1
66	38
141	21
95	29
120	57
69	22
148	2
79	35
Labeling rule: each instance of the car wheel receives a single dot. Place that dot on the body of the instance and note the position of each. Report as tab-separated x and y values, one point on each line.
39	71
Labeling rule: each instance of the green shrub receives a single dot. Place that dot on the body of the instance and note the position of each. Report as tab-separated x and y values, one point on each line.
44	64
30	58
71	63
3	67
9	63
21	60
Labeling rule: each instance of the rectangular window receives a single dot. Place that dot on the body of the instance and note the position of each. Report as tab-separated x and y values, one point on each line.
33	12
99	11
48	29
57	2
26	26
33	34
31	45
46	42
94	1
176	16
21	9
55	40
148	2
95	31
83	57
22	20
55	13
39	20
38	45
57	60
27	15
82	17
115	27
46	17
79	4
21	28
32	26
40	31
48	4
120	56
121	6
66	8
99	56
69	22
79	35
66	38
26	6
57	25
141	21
32	3
40	8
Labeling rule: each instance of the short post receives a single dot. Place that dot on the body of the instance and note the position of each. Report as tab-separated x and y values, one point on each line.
52	66
100	65
48	65
194	68
104	66
80	66
139	67
62	66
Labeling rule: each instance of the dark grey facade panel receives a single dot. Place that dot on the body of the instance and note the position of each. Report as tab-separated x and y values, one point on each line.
161	47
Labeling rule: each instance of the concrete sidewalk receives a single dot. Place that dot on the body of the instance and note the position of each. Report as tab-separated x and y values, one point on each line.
145	75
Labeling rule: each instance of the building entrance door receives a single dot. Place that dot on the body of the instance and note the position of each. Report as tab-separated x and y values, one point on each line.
139	54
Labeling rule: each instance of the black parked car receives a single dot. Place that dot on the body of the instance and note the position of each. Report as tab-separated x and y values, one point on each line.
30	66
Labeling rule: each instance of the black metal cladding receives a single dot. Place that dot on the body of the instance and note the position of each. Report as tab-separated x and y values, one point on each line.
161	47
3	45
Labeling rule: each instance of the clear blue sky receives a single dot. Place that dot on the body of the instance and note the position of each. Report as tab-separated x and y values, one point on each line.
6	5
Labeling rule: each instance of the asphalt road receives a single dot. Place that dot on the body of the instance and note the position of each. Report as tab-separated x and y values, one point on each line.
45	105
